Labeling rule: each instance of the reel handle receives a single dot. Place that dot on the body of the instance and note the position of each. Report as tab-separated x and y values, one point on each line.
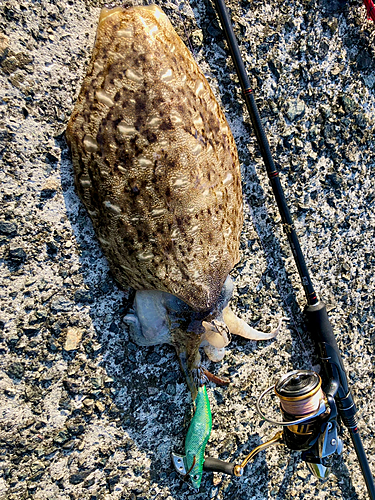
216	465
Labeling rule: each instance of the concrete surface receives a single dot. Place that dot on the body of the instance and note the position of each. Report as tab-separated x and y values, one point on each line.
86	414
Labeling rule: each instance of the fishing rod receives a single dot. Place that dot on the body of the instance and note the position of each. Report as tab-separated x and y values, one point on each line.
370	9
311	405
334	380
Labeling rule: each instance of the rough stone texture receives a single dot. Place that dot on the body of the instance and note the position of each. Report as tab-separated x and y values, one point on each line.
99	422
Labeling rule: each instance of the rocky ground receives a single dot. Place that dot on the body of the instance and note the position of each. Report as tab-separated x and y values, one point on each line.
85	413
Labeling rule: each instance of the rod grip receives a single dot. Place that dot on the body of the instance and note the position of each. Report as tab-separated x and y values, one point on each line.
320	325
333	371
217	465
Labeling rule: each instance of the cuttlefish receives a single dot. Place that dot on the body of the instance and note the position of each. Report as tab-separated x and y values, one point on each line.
157	168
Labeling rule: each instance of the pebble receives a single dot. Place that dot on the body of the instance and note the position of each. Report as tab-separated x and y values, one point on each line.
302	474
49	189
73	338
295	109
4	44
61	304
334	179
84	296
197	37
100	406
16	370
8	228
17	255
10	392
13	62
349	103
77	478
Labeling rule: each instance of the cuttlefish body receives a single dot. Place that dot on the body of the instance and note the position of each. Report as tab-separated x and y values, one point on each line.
157	169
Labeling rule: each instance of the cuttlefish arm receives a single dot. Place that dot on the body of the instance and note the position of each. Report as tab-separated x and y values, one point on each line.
216	337
214	340
239	327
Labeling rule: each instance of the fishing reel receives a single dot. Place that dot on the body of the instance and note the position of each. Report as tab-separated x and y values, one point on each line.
309	420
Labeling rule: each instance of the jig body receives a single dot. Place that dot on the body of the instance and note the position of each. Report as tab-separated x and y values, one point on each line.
197	436
196	439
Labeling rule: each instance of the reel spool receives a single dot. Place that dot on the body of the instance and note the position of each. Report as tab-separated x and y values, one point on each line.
302	402
300	392
301	398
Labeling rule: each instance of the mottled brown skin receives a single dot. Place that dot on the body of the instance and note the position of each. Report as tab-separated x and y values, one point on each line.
155	162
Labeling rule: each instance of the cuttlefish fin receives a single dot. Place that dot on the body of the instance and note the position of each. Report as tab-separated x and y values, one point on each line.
239	327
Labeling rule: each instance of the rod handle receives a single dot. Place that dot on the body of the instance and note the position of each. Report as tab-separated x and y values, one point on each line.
333	375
